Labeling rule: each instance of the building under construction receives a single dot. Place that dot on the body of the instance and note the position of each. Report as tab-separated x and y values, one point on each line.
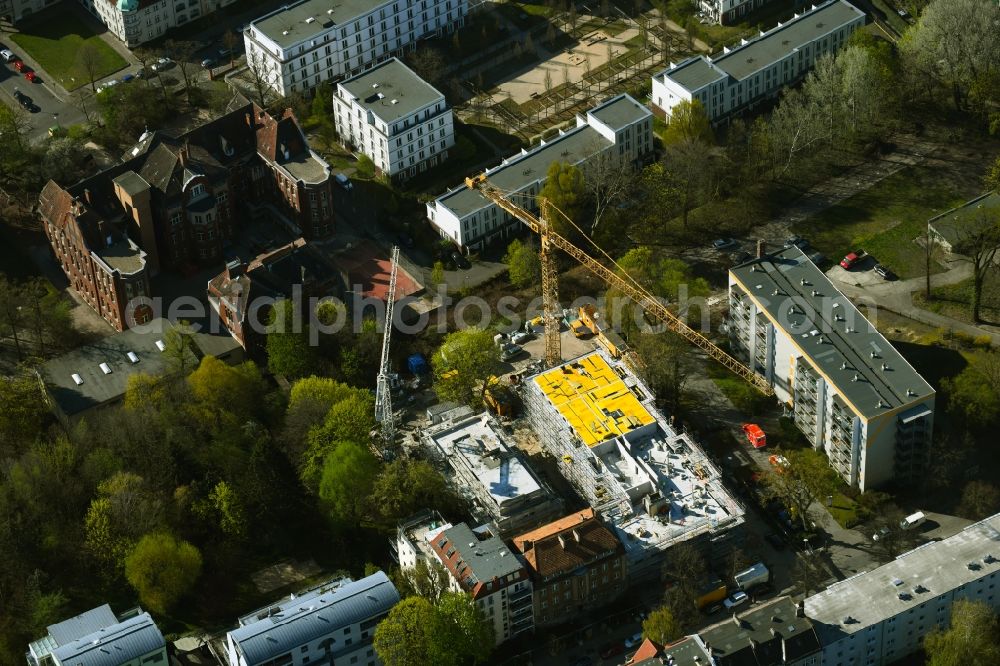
494	479
653	484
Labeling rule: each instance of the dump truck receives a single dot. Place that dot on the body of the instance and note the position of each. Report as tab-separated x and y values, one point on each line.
711	591
755	575
498	398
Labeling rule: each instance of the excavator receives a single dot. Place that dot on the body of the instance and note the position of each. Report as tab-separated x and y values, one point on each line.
551	241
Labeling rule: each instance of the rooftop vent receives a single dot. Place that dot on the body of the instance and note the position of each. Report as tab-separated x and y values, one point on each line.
910	392
105	368
885	366
873	354
77	379
974	566
132	357
329	11
395	101
897	582
920	589
160	345
989	559
802	282
843	366
815	293
904	596
284	32
855	377
374	85
310	19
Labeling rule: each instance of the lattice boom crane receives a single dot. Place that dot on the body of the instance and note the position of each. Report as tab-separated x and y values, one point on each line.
642	297
383	392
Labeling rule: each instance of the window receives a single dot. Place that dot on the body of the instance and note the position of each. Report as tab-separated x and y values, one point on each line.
197	190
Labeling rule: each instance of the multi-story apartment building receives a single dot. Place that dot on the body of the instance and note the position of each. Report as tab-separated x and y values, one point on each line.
297	47
16	10
880	616
727	12
330	624
619	130
480	564
173	202
757	69
394	117
135	22
576	564
846	387
98	636
242	295
501	488
414	537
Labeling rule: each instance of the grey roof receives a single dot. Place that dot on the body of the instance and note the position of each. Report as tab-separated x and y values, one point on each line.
520	171
97	387
695	73
132	183
488	558
85	623
778	42
117	644
688	651
307	167
756	636
949	223
838	340
391	90
764	50
619	112
932	569
123	256
314	616
291	19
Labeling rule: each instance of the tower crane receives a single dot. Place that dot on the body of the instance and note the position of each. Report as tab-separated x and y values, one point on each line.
626	284
383	391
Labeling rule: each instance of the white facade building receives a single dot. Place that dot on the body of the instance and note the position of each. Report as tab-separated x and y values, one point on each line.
880	616
135	22
297	47
620	129
330	624
415	536
16	10
760	68
727	12
480	564
846	387
98	637
394	117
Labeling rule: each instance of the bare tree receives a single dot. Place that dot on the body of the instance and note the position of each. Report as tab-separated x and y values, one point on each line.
88	62
259	76
607	180
429	65
979	239
231	40
15	123
183	54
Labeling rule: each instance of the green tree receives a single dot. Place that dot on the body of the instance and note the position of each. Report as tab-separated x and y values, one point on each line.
405	486
228	507
288	351
806	478
349	473
437	274
405	636
980	499
688	123
668	362
972	397
222	387
991	179
427	579
365	167
23	413
564	188
309	402
144	391
162	569
523	264
179	348
661	627
462	634
463	363
971	639
350	419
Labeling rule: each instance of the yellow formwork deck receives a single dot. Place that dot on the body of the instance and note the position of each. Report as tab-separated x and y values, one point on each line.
593	399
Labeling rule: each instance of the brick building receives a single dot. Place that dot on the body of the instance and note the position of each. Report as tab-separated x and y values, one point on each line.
576	563
240	294
173	200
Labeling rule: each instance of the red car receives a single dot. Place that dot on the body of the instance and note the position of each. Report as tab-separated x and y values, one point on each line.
851	260
755	435
31	76
19	65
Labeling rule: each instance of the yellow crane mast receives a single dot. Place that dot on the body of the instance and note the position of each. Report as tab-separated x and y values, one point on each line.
628	286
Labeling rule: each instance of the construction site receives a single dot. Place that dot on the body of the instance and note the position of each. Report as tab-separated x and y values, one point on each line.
651	483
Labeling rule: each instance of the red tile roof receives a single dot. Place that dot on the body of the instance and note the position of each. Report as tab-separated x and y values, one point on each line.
567	544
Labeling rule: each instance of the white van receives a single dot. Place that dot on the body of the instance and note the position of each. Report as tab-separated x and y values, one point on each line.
913	520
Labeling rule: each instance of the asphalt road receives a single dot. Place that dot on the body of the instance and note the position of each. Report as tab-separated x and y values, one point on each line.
54	107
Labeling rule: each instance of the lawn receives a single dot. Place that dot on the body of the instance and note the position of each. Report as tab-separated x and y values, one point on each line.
55	43
955	300
884	220
844	510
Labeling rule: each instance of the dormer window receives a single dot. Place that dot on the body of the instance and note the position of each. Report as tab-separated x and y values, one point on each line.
197	191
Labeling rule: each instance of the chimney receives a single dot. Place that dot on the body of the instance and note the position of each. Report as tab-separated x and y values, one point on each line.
183	154
528	544
774	632
562	541
761	247
800	609
87	197
249	120
234	269
576	535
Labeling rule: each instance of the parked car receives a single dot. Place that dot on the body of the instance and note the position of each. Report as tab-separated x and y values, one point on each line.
460	260
635	640
510	351
127	78
818	259
107	84
612	649
736	599
740	257
31	76
19	65
520	337
882	533
224	53
778	461
852	258
208	63
723	243
755	435
8	55
797	241
884	273
162	64
913	520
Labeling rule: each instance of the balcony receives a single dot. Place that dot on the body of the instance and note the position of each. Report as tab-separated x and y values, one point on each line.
520	595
